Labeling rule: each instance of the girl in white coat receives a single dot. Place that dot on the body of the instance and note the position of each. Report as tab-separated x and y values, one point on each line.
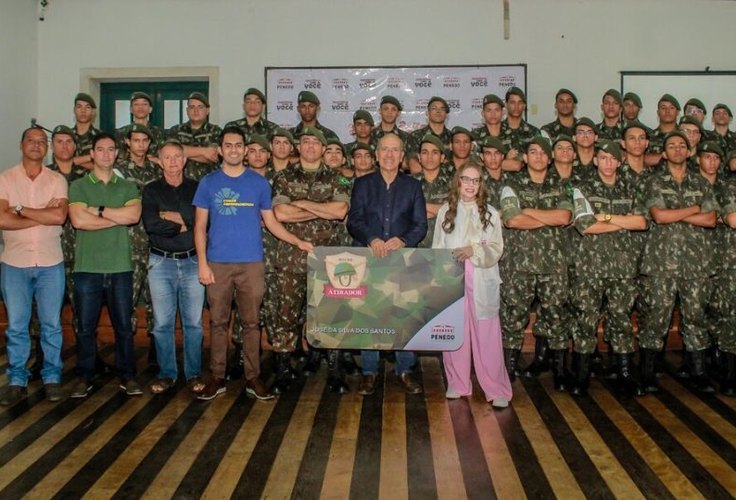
471	227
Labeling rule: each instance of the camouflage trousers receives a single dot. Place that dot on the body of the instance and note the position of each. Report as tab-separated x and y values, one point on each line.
518	291
141	292
289	303
721	311
658	297
587	295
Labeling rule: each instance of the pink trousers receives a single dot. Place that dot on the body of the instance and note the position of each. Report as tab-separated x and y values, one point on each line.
482	343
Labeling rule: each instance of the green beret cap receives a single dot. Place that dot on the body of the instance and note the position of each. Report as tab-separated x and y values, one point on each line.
255	92
63	130
493	99
362	114
199	96
516	91
676	133
492	142
610	147
389	99
586	122
141	95
260	140
697	103
615	94
84	97
433	139
314	132
436	98
171	142
710	147
562	138
137	128
461	130
307	96
568	92
282	132
336	142
628	124
361	146
720	105
634	97
542	142
691	120
670	99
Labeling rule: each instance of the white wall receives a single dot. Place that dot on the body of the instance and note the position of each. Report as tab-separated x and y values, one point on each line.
18	74
580	44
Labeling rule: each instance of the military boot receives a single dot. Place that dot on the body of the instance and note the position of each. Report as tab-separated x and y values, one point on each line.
559	373
314	359
283	372
335	377
37	366
728	380
540	363
717	362
699	379
581	363
511	360
625	380
612	372
683	371
349	366
647	359
236	366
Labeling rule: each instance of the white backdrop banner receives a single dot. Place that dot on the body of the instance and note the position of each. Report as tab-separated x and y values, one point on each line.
342	91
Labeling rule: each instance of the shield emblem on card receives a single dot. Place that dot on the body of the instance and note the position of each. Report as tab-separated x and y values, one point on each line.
345	270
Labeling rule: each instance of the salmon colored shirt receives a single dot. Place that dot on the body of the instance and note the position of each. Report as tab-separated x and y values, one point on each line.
38	245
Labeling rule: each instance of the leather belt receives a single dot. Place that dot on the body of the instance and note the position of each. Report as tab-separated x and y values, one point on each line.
174	255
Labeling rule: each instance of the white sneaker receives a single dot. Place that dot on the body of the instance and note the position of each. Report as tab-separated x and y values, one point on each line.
500	403
450	394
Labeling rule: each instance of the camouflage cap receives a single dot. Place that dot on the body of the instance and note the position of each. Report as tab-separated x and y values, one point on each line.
199	96
137	128
362	114
85	97
694	101
331	141
492	143
254	91
389	99
691	120
260	140
720	105
171	141
515	91
359	146
282	132
141	95
610	147
562	138
314	132
307	96
676	133
633	97
493	99
670	99
568	92
461	130
542	142
433	139
615	94
629	124
710	147
436	98
586	122
63	130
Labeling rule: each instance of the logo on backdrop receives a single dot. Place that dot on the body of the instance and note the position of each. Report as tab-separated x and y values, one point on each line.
345	272
478	81
453	104
340	84
395	83
367	83
507	81
421	104
340	106
477	103
369	104
285	83
422	83
285	105
314	83
451	82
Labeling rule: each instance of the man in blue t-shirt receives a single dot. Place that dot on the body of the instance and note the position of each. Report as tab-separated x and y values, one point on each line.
230	204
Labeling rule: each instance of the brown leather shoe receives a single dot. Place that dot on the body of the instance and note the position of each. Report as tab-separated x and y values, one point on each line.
367	385
410	386
257	389
215	387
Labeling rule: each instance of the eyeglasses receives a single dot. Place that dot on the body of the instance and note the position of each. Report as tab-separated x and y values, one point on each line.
474	181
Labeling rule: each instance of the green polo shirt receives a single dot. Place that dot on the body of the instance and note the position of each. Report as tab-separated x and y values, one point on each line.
103	250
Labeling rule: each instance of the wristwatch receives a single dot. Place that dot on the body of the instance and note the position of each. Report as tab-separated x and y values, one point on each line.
19	209
607	218
100	209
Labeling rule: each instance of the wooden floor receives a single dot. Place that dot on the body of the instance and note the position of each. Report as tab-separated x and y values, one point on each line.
311	444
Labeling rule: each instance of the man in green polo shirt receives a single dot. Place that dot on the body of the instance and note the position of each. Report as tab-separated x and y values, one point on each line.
101	207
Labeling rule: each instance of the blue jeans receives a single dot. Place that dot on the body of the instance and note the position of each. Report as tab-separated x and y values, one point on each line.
176	282
369	362
117	290
20	286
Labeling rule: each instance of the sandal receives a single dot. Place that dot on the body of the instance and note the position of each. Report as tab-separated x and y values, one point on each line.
196	385
162	385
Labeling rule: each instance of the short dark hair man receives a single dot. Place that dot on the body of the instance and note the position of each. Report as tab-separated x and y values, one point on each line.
198	136
253	122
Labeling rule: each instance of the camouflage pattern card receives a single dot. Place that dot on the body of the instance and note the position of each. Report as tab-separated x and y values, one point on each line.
412	300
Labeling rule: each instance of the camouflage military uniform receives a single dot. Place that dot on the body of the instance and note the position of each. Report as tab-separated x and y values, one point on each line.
342	237
139	242
481	133
722	308
292	184
518	138
435	192
261	127
377	133
206	136
727	142
158	136
656	141
555	128
350	147
494	187
605	264
533	263
329	134
414	141
84	142
677	259
614	133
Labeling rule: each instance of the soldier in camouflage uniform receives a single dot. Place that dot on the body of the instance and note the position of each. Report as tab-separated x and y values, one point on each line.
254	104
282	146
84	130
492	153
198	136
308	106
136	167
390	110
335	157
535	210
461	147
630	107
607	212
310	201
141	106
564	124
363	162
691	127
586	133
362	129
612	126
694	107
437	111
435	179
492	114
667	110
726	138
677	261
516	133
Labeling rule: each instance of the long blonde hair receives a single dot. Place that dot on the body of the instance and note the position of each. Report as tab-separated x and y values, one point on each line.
481	200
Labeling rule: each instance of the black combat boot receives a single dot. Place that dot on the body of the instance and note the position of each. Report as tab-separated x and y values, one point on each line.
597	367
647	359
717	363
236	366
37	366
349	366
625	380
699	379
683	372
728	380
314	359
559	357
581	363
540	363
335	377
282	370
152	359
511	359
612	371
